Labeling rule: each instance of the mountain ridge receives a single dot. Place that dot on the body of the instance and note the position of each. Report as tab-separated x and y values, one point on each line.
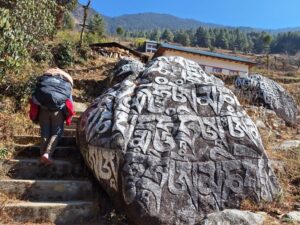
150	21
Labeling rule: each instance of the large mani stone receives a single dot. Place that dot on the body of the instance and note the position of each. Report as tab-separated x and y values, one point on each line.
172	144
259	90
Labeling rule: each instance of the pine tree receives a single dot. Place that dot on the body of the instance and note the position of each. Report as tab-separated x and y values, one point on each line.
182	37
240	40
267	39
212	37
221	40
120	31
202	37
155	35
167	35
96	25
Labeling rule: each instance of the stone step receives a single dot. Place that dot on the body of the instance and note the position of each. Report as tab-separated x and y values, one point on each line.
61	152
68	132
33	169
71	127
60	213
76	117
35	139
47	190
80	107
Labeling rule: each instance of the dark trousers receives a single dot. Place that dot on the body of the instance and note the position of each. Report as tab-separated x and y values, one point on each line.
52	127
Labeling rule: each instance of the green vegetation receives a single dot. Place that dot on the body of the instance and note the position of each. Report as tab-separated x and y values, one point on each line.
41	31
167	35
68	22
3	153
182	37
23	24
96	25
64	54
120	31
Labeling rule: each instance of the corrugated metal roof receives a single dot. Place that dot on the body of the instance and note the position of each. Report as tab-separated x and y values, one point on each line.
149	41
206	53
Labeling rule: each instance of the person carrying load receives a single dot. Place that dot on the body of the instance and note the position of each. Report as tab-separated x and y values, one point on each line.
52	104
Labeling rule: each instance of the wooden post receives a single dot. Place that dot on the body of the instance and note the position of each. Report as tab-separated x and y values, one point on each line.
86	9
268	62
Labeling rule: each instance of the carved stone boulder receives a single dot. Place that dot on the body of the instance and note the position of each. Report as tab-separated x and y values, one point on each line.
173	144
259	90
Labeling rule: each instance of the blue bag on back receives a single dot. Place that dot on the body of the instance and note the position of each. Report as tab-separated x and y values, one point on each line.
52	91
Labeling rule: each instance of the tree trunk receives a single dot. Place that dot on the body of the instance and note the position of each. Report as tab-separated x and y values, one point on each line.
60	10
268	62
86	9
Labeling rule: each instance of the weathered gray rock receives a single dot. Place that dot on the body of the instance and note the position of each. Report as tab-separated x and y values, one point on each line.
172	145
126	67
233	217
260	90
294	216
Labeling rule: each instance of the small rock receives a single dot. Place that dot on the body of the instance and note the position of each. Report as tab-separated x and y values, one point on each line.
233	217
297	206
288	144
294	216
260	124
278	166
278	135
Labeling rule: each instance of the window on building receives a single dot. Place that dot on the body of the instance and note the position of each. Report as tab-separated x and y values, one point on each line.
217	70
233	72
151	47
242	73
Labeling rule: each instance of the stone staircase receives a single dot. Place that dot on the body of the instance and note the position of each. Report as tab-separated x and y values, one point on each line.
60	194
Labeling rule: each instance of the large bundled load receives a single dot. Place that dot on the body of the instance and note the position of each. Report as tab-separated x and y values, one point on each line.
53	89
172	144
259	90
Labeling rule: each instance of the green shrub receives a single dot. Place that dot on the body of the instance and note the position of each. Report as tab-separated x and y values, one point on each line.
64	54
42	54
3	153
23	25
67	35
84	52
19	89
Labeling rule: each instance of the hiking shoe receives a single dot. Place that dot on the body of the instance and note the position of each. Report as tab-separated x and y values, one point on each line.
45	160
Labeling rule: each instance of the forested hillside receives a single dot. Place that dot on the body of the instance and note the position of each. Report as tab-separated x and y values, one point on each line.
151	21
189	32
225	38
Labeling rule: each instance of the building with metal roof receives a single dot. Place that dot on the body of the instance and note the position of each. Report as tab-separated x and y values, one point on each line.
151	46
211	62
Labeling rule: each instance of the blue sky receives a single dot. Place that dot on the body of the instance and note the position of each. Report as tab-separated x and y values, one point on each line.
268	14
